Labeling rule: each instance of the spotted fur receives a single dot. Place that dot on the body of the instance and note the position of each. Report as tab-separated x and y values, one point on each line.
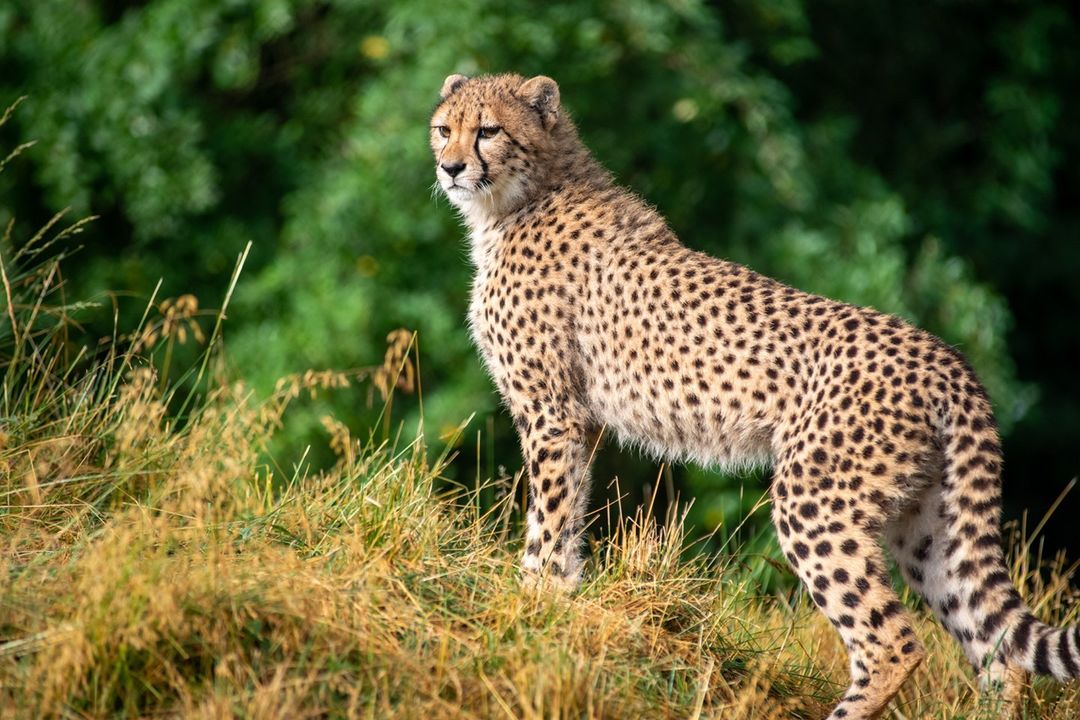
590	314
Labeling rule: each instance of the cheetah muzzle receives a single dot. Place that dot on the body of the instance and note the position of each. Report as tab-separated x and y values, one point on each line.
589	313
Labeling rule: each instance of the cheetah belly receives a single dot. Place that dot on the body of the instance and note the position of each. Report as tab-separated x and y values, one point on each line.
676	423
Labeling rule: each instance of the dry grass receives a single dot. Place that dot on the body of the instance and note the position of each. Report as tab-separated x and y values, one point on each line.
155	567
155	564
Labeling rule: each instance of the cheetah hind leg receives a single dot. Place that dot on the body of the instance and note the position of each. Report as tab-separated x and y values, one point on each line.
918	540
845	571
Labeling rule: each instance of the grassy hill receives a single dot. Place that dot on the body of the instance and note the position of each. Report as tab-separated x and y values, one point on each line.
158	566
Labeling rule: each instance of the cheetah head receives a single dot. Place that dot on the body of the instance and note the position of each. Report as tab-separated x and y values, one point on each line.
491	137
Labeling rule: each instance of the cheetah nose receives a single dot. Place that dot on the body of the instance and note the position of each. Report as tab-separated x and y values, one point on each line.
452	169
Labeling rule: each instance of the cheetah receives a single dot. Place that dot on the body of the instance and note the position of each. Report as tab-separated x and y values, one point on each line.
590	315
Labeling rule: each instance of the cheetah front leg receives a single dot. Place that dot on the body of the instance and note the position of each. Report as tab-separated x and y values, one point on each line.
557	454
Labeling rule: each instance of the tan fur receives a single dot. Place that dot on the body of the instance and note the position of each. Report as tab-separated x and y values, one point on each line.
590	314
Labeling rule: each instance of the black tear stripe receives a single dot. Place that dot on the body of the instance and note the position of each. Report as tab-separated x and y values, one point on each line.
484	180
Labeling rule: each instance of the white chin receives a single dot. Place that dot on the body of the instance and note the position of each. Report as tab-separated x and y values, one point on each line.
459	194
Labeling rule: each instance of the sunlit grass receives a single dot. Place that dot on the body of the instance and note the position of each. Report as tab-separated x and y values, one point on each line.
155	566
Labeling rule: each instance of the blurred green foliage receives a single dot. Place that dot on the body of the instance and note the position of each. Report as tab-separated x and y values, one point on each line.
908	157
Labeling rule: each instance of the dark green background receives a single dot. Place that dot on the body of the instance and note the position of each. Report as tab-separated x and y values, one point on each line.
918	157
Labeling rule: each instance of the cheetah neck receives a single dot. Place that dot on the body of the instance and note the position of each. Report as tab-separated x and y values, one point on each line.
483	218
487	216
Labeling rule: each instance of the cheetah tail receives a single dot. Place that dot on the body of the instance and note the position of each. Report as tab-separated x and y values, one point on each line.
1043	649
984	607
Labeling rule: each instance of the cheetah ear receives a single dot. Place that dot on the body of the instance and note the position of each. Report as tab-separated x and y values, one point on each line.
450	84
542	94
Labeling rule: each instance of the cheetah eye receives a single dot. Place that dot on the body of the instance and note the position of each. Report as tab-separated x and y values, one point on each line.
443	130
489	131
